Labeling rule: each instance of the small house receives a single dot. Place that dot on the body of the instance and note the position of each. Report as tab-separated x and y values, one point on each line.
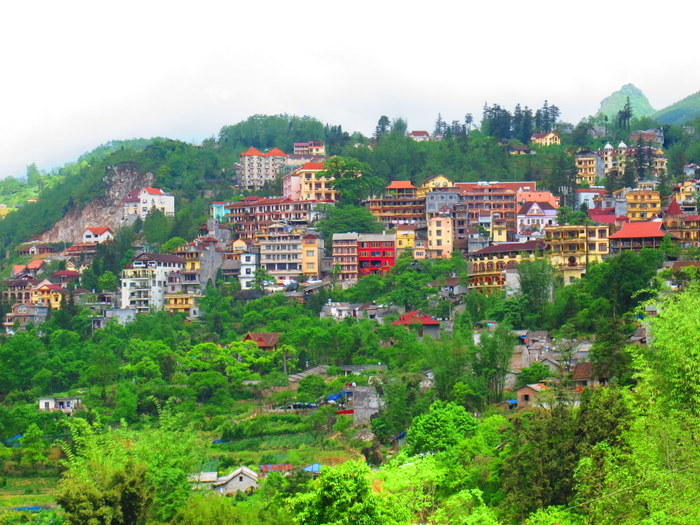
423	324
584	375
67	405
264	340
528	394
240	479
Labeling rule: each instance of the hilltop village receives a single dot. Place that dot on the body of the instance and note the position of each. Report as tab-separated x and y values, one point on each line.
498	351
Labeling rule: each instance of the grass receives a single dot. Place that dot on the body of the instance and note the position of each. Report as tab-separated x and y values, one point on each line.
27	492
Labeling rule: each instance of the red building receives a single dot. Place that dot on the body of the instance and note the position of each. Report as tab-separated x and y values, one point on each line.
376	253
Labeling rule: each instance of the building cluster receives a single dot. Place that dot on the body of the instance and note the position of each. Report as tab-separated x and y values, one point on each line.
255	168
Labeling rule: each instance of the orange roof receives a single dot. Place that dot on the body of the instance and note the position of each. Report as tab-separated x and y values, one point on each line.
36	264
18	268
275	152
153	191
312	166
400	185
99	230
639	230
251	151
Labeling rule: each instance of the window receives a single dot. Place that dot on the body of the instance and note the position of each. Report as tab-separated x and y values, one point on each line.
309	253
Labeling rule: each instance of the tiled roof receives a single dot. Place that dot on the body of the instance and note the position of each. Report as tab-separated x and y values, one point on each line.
99	230
251	151
400	185
673	208
263	339
153	191
544	206
416	317
275	152
583	371
639	230
312	166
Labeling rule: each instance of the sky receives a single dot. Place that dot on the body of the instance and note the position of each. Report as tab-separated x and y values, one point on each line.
77	74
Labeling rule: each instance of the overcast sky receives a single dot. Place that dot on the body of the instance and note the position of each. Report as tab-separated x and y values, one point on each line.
79	73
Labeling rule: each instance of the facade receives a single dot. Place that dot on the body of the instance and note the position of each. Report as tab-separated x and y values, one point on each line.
345	256
400	204
643	205
218	210
138	203
256	168
587	170
570	249
253	214
535	217
282	252
549	138
436	182
98	234
488	266
23	313
241	479
376	253
144	282
67	405
311	254
440	238
249	263
419	136
313	148
636	236
306	184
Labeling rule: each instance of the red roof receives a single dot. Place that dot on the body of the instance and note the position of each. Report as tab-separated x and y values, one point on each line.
419	134
153	191
251	151
275	152
312	166
263	339
673	208
276	468
416	317
99	230
400	185
639	230
35	264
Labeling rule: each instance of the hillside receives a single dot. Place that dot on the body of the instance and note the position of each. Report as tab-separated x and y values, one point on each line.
641	107
681	112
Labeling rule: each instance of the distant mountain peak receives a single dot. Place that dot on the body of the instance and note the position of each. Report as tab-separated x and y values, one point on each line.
617	100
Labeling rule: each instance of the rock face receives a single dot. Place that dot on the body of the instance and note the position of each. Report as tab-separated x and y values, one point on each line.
641	107
106	211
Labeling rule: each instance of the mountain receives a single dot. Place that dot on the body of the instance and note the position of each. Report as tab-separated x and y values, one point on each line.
681	112
615	102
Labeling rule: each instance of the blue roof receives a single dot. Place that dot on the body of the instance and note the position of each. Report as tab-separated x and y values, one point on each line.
315	468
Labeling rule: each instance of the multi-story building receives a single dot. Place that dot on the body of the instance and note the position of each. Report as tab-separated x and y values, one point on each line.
617	158
49	294
256	168
440	237
441	201
588	167
643	205
313	148
400	204
533	217
436	182
250	262
311	254
345	256
253	214
138	203
144	282
306	184
488	267
570	249
23	313
637	235
547	138
376	253
284	251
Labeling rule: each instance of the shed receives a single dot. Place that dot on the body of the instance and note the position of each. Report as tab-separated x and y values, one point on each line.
240	479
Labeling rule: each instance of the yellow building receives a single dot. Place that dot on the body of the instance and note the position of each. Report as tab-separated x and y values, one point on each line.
549	138
182	303
405	237
312	187
312	249
586	167
571	249
49	294
643	205
440	237
433	183
488	267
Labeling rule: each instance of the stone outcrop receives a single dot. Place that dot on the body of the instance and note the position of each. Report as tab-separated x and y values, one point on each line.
106	211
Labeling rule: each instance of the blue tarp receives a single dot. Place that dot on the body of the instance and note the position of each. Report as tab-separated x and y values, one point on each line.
314	469
512	401
334	397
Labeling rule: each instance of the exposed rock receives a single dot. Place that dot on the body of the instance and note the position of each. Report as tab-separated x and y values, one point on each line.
106	211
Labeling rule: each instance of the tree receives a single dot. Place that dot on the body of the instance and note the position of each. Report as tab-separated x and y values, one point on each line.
262	279
107	281
383	127
535	278
534	373
445	425
350	177
347	218
341	496
156	227
490	360
173	244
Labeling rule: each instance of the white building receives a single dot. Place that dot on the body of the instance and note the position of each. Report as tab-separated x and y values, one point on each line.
138	203
145	281
97	234
249	263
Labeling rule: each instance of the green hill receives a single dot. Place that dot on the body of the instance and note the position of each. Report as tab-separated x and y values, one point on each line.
681	112
615	102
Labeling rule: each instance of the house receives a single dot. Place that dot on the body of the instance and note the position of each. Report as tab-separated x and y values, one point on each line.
588	167
64	277
535	217
489	266
527	395
97	234
584	375
67	405
423	324
637	235
23	313
138	203
436	182
241	479
571	248
306	184
548	138
255	168
419	136
265	340
144	282
643	205
313	148
440	237
400	204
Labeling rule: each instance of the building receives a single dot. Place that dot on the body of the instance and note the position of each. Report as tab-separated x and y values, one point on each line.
570	249
313	148
23	313
218	210
534	217
376	253
250	262
548	138
400	204
643	205
144	282
440	238
253	215
588	167
240	480
488	266
421	323
436	182
311	253
256	168
97	234
636	236
419	136
345	266
285	250
306	184
138	203
267	341
67	405
527	395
